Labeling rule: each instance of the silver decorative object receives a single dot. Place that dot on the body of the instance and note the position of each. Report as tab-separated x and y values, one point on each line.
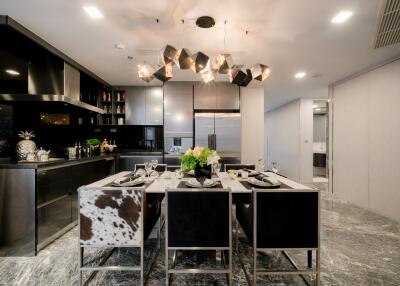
200	62
183	59
25	146
168	55
145	72
164	73
260	72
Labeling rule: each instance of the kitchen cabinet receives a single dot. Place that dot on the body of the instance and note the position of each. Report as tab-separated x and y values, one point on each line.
227	96
135	105
217	96
178	110
154	105
205	96
144	105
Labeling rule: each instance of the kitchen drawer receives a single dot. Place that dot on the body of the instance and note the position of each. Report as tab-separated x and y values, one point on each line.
53	217
52	184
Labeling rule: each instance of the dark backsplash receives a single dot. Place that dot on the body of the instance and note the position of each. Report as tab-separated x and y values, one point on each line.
26	117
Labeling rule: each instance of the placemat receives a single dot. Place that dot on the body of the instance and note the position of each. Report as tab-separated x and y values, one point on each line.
182	185
249	186
145	185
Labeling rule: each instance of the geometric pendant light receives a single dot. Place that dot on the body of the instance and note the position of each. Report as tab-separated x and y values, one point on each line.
145	72
247	79
200	62
183	59
164	73
168	54
260	72
222	63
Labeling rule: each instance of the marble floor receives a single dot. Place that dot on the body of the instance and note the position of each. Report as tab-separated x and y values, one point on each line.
359	247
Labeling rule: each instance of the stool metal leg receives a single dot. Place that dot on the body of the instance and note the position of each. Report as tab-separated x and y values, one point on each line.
309	258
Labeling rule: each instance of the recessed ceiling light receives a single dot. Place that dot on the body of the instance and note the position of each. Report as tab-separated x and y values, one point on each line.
318	109
12	72
93	12
119	46
341	17
300	75
315	106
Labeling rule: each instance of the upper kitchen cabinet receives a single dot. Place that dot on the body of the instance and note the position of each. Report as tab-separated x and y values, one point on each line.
227	96
217	96
205	96
144	105
154	105
178	109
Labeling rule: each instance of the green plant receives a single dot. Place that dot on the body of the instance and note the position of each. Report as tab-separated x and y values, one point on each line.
198	156
93	142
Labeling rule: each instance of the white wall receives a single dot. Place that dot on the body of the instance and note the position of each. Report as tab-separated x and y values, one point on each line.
366	140
289	136
252	124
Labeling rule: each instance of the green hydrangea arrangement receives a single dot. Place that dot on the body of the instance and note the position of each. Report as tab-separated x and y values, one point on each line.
198	156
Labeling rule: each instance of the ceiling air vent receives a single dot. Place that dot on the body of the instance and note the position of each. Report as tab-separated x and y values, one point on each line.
389	24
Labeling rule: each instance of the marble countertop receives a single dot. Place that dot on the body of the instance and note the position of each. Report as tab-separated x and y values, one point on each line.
167	180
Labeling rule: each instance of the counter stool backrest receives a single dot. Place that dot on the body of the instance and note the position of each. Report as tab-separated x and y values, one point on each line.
198	218
228	167
286	219
159	168
110	216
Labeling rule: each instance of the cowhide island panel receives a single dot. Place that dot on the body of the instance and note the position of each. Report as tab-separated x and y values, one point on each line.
110	217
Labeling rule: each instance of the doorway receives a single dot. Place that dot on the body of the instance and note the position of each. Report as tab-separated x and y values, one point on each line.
320	141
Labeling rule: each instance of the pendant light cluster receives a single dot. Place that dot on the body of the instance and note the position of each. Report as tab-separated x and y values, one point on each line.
202	64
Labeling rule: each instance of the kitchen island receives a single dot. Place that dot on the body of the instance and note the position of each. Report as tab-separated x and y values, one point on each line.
38	201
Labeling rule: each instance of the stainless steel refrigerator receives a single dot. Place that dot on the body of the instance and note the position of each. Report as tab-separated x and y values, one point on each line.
220	130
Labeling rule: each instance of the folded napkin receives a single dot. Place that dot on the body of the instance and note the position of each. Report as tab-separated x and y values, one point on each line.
129	178
263	178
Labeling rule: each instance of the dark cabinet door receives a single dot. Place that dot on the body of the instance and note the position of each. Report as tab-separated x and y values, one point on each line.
53	217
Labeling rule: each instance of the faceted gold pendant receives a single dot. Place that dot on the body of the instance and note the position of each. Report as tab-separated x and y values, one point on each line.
183	59
200	62
164	73
260	72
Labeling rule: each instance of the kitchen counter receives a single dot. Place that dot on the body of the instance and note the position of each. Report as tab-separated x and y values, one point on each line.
8	163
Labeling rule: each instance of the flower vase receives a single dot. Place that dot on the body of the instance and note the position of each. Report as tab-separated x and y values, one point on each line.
202	172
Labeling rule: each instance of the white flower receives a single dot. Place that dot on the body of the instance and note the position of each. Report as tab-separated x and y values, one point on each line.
197	151
213	159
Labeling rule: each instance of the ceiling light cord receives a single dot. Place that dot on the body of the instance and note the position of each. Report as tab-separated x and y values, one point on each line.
225	37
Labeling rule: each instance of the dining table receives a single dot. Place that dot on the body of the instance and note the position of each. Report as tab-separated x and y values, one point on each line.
167	180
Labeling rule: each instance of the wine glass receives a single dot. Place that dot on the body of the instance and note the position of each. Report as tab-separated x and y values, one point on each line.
148	166
154	163
261	165
275	168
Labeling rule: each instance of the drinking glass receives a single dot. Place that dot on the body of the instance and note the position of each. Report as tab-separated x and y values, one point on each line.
261	165
179	174
275	168
148	166
154	164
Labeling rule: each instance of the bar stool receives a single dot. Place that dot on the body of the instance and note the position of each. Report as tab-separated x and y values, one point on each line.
281	220
114	217
198	219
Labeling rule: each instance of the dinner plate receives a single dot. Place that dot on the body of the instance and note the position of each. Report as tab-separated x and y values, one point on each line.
263	184
120	182
193	183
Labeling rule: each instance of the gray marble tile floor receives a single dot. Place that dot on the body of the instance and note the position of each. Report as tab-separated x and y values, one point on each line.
359	247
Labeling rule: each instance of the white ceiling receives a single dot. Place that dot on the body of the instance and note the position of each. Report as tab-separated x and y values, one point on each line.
287	35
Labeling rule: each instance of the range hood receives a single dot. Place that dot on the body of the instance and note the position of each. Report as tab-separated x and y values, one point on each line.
49	98
42	73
